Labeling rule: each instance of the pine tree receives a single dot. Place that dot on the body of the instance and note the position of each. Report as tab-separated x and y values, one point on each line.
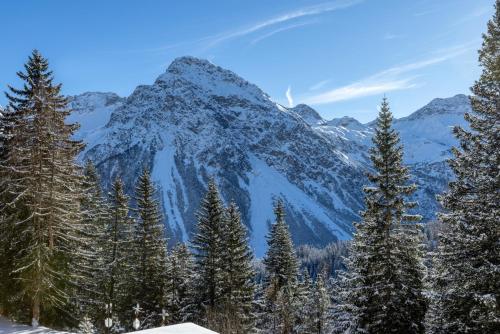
119	253
90	294
41	185
468	264
238	289
151	252
384	283
319	304
207	246
179	282
280	260
282	272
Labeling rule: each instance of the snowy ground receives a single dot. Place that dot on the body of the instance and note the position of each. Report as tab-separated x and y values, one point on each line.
8	327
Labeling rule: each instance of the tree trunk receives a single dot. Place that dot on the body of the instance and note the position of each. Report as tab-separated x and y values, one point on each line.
35	311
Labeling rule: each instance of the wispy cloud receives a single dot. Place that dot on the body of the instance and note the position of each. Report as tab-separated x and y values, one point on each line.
289	96
299	13
320	84
391	79
285	28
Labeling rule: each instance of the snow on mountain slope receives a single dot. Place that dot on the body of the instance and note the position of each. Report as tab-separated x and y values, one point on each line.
427	139
92	110
198	120
427	133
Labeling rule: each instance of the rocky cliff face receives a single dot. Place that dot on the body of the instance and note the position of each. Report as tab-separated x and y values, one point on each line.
199	121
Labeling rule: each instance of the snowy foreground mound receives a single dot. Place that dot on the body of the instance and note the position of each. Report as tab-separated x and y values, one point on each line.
198	120
7	327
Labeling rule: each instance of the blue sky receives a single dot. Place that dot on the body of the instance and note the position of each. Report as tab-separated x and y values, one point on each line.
338	56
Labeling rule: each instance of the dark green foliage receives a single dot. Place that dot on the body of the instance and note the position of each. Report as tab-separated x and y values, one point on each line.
238	290
382	290
208	249
180	276
467	275
40	193
282	294
90	295
151	248
119	254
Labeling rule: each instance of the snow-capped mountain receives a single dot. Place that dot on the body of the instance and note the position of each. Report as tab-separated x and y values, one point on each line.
198	120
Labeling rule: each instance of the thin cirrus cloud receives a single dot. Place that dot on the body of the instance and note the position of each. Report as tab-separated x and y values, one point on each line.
385	81
282	29
212	41
320	84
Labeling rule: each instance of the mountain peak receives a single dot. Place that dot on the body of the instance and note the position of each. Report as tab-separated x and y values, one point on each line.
455	105
210	78
189	62
347	122
308	114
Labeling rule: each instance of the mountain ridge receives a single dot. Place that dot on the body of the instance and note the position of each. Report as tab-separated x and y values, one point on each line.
199	120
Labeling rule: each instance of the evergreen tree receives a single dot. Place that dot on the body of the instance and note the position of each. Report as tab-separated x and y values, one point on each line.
280	260
383	287
281	275
468	264
319	304
179	282
238	289
151	252
90	294
119	252
208	250
41	186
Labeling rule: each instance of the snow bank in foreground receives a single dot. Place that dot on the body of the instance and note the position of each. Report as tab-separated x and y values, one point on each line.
187	328
8	327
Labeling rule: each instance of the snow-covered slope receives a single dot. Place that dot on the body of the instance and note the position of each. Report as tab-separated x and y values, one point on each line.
198	120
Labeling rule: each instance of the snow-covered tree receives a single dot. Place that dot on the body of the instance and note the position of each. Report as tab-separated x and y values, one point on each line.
383	288
151	247
180	276
238	289
41	185
282	293
119	254
90	294
208	250
467	277
86	326
318	307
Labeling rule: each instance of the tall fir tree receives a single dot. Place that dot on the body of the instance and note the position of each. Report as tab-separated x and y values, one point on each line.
383	288
151	253
319	307
90	294
467	277
180	276
281	264
120	274
238	289
10	303
41	186
208	250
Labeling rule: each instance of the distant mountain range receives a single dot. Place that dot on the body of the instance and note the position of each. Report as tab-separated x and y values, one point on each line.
199	120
